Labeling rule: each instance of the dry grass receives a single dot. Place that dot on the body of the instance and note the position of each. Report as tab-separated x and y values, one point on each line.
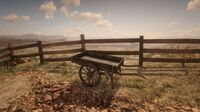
161	86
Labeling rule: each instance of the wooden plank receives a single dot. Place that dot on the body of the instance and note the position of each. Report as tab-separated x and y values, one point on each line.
41	54
27	55
116	52
141	51
123	40
11	52
185	51
171	60
62	51
181	41
3	50
5	56
24	46
57	59
61	43
83	42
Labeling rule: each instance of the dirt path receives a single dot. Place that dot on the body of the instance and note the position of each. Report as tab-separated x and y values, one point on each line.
13	87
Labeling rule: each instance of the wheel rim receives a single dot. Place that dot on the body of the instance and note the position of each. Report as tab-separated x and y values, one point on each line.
89	76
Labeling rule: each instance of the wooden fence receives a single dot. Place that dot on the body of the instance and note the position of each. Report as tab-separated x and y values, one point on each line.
9	52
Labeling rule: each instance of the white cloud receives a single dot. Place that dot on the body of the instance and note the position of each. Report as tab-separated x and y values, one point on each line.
87	16
193	5
70	3
64	11
11	18
96	18
174	24
73	31
104	23
25	18
48	8
14	18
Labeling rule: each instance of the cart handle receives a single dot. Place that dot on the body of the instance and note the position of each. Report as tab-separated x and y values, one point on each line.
136	74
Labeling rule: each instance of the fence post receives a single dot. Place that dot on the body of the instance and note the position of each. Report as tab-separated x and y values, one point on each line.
83	42
41	55
12	58
141	51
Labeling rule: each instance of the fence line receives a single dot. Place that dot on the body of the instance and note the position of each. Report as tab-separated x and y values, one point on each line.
9	52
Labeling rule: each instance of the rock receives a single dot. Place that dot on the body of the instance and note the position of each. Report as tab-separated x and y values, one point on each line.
195	110
38	110
141	110
152	108
186	108
169	108
47	98
104	110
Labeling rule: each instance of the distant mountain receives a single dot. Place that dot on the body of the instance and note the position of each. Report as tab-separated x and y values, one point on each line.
34	37
29	38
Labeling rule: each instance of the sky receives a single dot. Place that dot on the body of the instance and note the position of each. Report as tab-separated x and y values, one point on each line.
101	18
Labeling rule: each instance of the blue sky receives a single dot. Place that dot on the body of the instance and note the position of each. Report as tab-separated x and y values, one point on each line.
101	18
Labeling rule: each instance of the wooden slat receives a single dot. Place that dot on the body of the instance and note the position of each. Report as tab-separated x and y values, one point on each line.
3	50
124	40
4	56
57	59
185	51
26	55
183	41
24	46
117	52
61	43
170	60
62	51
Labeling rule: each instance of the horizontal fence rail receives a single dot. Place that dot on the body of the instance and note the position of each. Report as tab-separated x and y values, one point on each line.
126	40
3	50
24	46
27	55
9	52
60	43
62	51
57	59
171	60
180	41
116	52
182	51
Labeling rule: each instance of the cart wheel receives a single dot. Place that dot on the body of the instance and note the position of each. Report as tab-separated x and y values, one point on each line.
89	76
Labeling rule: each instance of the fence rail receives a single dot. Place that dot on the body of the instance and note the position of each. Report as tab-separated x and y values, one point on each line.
9	52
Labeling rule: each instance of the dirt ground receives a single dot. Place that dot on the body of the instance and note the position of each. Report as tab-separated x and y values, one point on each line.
13	87
42	92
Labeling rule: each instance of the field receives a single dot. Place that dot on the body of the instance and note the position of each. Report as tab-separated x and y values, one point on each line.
56	86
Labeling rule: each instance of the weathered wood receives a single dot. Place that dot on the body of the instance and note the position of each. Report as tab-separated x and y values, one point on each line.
11	52
57	59
83	42
26	55
5	56
40	50
116	52
24	46
62	51
123	40
183	41
141	51
3	50
182	51
61	43
171	60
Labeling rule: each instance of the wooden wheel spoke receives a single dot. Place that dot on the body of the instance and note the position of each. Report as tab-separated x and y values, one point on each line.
89	76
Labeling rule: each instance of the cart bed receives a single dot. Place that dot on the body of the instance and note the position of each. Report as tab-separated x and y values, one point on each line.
102	61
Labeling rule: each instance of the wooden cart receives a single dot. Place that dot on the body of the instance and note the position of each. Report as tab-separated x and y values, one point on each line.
93	64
